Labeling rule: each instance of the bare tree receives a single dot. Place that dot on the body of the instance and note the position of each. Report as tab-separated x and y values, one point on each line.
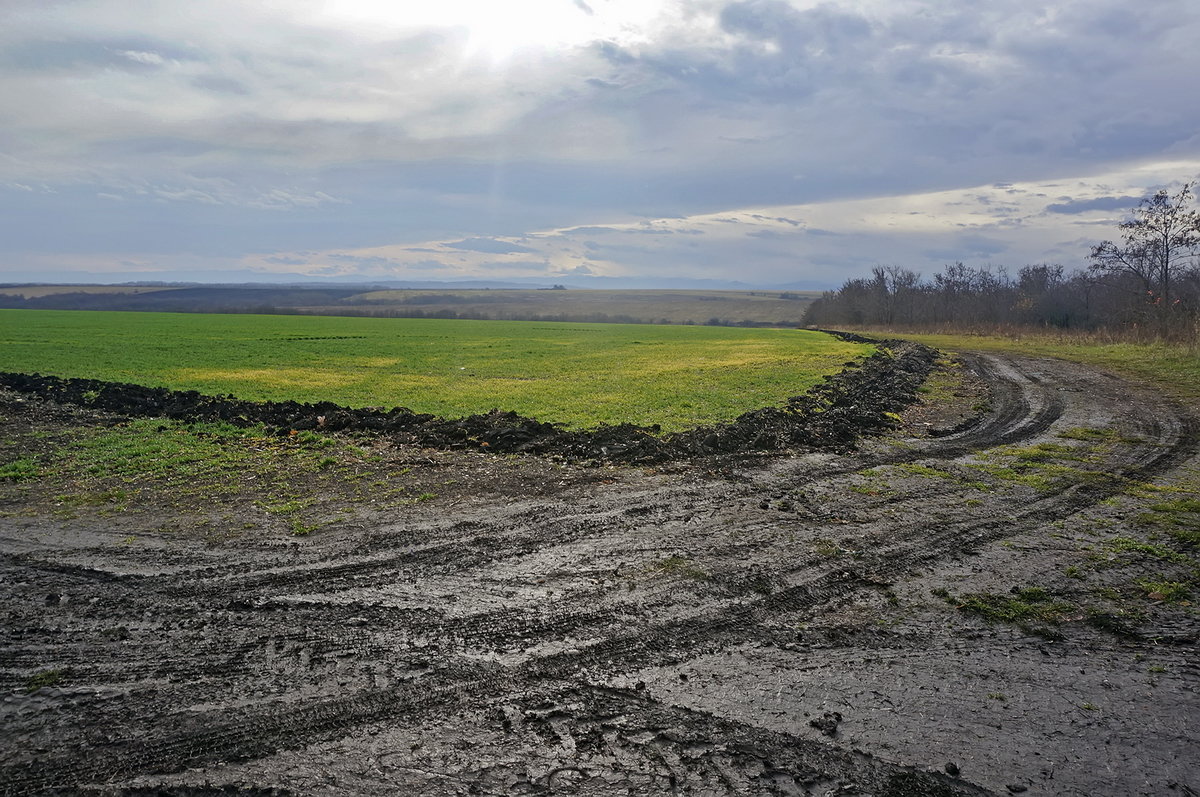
893	293
1160	244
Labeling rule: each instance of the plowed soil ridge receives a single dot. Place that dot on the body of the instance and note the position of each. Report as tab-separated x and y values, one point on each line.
832	415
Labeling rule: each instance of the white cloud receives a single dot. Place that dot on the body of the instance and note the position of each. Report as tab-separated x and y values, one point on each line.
820	244
417	123
140	57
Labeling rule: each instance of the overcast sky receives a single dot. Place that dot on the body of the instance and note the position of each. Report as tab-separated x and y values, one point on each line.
764	141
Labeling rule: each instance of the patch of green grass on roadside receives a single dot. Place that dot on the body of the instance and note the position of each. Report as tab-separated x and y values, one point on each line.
679	567
1041	466
943	381
1042	477
1030	608
300	480
1179	518
1044	452
20	470
175	454
874	489
929	472
45	678
917	469
1165	590
1172	368
1128	545
1088	434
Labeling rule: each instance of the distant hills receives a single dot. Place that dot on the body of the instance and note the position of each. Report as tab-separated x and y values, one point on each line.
482	300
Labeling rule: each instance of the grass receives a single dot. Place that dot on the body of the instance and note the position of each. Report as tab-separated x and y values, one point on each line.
46	678
943	382
1040	465
917	469
19	470
1180	519
1165	590
1030	608
296	482
177	454
1129	545
1040	476
1044	452
580	375
679	567
1173	369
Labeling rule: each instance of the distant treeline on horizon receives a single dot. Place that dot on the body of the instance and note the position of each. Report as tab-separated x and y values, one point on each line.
1043	295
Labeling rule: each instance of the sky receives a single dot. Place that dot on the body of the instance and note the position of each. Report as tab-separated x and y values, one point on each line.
638	142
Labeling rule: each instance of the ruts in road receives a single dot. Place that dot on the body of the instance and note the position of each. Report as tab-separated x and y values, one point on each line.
788	624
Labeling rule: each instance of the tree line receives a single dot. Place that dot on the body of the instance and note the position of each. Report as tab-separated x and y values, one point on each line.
1146	284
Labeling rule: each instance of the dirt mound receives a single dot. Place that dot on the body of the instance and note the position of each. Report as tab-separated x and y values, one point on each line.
859	400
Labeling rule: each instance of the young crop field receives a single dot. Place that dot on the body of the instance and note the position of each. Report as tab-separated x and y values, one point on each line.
579	375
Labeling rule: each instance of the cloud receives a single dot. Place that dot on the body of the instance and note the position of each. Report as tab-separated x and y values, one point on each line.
221	85
968	247
783	219
592	230
140	57
296	126
81	53
1074	206
582	270
490	245
514	266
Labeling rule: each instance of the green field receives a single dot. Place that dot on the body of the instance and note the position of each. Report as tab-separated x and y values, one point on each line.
576	374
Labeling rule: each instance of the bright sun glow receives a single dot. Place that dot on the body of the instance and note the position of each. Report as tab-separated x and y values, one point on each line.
499	30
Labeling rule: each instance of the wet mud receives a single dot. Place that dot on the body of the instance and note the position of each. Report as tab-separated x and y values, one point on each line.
790	624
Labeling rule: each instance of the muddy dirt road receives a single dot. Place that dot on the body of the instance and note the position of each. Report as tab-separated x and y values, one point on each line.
984	612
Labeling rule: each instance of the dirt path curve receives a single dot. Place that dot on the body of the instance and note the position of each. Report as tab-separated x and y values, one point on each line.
766	627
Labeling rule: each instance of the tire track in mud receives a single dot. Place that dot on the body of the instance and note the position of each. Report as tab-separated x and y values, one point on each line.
1016	420
1012	421
775	762
1022	409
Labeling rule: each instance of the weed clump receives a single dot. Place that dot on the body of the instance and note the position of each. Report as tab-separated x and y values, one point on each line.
21	470
680	567
1032	609
46	678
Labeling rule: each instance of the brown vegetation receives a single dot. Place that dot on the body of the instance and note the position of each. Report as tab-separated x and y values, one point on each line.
1147	287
